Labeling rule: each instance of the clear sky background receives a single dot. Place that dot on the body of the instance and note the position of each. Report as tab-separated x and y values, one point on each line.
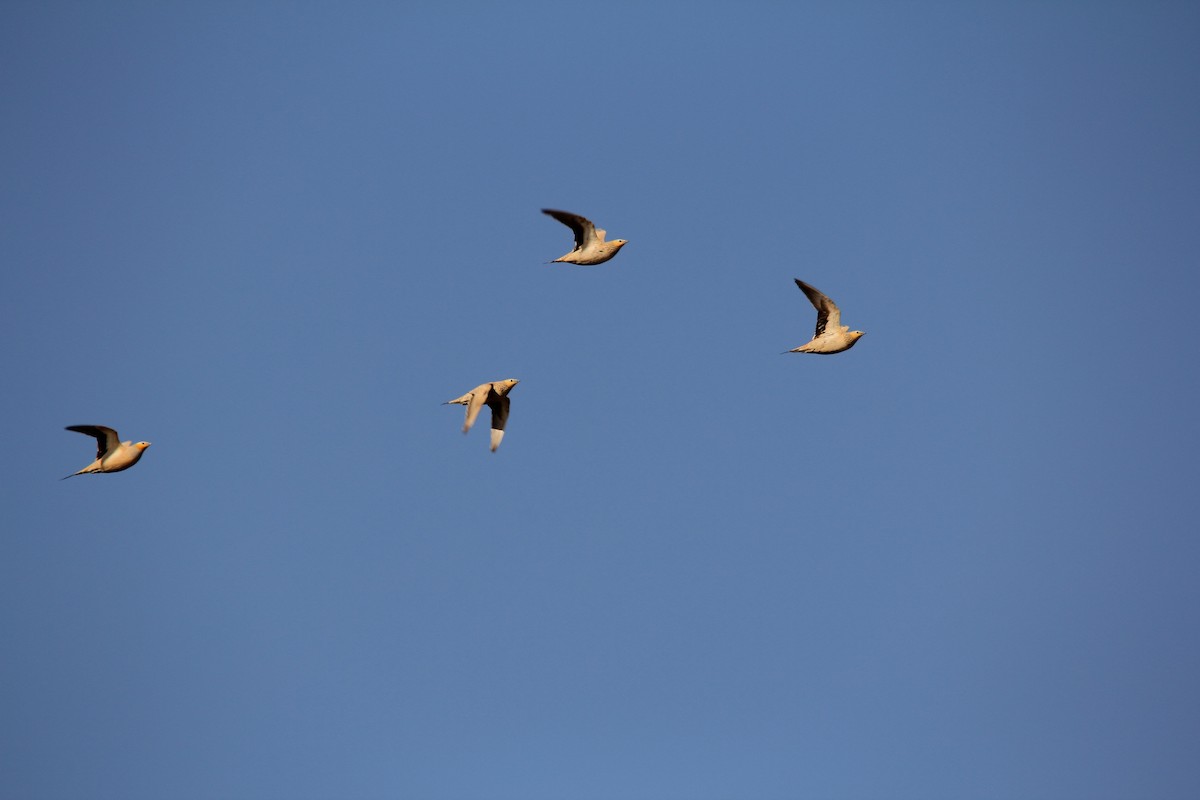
957	561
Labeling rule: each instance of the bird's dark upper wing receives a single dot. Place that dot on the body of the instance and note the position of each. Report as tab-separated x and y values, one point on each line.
499	406
582	227
106	438
828	315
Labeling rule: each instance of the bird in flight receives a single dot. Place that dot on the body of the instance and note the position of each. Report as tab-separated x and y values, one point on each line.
112	455
590	247
495	396
831	336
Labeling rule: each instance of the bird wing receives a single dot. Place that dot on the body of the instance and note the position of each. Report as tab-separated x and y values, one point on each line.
478	397
499	406
106	438
583	228
828	315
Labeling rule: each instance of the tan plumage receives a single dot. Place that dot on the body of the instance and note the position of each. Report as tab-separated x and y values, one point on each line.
495	396
112	455
590	247
831	335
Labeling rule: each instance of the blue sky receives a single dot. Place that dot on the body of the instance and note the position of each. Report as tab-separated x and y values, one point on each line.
957	561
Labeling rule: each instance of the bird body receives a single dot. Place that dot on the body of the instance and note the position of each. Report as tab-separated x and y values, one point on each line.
112	455
495	396
831	335
590	247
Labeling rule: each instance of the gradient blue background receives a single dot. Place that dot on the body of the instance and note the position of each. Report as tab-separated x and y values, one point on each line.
958	561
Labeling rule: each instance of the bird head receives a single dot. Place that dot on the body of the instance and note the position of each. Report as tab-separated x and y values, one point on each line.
505	386
142	445
619	243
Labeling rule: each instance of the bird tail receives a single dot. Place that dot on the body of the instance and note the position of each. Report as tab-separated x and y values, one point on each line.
84	471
